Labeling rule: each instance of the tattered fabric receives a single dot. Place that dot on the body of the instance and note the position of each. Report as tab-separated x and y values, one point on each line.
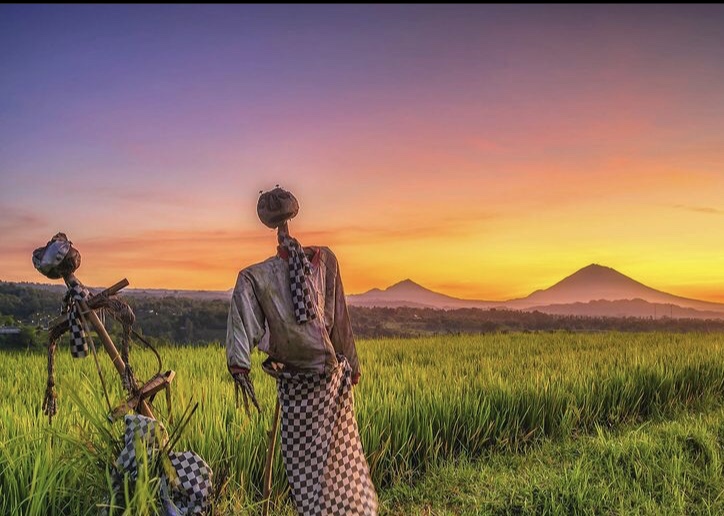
76	292
185	480
320	444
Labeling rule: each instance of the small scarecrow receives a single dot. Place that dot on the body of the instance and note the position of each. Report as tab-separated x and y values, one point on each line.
297	298
186	479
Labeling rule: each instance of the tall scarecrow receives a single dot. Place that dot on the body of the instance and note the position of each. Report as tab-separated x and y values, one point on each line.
297	297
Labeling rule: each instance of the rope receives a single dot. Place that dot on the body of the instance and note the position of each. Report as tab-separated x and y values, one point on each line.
149	346
121	312
50	402
129	379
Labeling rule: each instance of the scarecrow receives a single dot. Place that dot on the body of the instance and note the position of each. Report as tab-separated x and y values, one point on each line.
297	300
185	479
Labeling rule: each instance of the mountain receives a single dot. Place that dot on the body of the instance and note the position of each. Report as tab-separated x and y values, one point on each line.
626	308
409	293
594	290
596	282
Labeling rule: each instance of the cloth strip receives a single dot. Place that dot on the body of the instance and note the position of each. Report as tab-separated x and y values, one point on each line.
299	269
78	343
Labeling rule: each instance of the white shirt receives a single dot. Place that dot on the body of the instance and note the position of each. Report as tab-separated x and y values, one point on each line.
262	305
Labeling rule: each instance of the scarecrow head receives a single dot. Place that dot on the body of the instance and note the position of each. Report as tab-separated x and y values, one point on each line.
58	258
276	207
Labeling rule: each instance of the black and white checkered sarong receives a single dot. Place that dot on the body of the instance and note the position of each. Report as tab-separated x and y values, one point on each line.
299	269
326	467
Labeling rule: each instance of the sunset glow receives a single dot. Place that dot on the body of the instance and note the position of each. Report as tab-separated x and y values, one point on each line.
484	151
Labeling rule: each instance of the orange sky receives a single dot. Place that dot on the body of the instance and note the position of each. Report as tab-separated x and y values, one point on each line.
482	151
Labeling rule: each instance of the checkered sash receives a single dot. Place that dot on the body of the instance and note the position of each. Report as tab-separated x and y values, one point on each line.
186	487
326	467
299	269
76	292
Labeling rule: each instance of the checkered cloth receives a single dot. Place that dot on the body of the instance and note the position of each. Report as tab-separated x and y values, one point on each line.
186	480
299	269
326	467
151	435
191	485
76	292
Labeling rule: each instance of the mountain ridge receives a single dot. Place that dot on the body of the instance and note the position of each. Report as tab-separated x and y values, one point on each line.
579	293
593	290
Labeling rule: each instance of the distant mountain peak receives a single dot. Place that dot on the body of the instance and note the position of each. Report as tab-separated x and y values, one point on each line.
405	284
410	293
590	283
595	268
594	273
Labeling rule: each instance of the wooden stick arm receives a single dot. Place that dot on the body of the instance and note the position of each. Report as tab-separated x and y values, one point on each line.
150	388
62	321
87	313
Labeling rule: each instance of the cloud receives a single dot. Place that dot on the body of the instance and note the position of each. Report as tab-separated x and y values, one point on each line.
433	223
19	221
192	251
144	196
156	239
700	209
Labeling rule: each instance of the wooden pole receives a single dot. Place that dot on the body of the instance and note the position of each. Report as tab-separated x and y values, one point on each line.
270	458
120	366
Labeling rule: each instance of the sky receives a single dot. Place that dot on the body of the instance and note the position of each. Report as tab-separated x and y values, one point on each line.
483	151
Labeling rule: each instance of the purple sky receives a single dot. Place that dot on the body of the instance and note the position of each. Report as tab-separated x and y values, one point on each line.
520	141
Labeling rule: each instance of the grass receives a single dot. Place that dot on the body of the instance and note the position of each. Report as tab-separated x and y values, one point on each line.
654	468
424	407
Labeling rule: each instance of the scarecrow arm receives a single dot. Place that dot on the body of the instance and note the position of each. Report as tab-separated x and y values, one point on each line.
245	324
60	324
245	328
341	332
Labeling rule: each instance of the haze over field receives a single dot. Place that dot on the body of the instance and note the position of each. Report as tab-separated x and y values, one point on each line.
484	150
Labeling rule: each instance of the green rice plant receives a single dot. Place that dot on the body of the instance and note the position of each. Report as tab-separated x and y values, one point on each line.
420	403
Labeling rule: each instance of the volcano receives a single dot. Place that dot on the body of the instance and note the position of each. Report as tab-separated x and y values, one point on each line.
592	290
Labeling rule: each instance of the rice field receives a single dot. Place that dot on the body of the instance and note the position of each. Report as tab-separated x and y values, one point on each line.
420	403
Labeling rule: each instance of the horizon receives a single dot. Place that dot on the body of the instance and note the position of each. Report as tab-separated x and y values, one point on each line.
484	150
383	289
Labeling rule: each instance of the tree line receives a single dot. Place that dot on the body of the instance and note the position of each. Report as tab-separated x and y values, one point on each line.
176	320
